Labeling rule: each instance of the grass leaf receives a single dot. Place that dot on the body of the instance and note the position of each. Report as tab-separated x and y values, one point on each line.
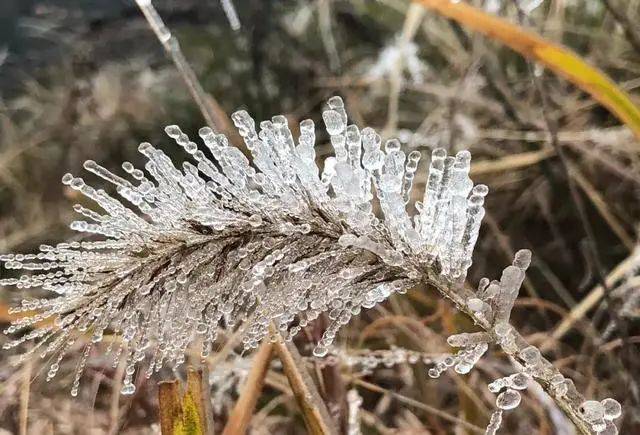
315	413
182	414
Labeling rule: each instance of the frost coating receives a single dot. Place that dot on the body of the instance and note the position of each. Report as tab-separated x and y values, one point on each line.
224	241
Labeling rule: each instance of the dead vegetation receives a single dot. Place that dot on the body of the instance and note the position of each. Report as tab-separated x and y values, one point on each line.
104	95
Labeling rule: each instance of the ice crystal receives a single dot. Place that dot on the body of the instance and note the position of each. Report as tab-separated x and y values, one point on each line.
494	422
227	242
508	399
399	52
463	361
600	414
226	379
517	381
231	13
369	360
612	409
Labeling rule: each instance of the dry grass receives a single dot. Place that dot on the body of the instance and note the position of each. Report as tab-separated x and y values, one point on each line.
98	103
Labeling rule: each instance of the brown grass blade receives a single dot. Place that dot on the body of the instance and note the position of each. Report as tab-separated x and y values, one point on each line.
603	208
314	411
240	417
182	414
590	301
194	396
169	406
555	57
511	162
207	409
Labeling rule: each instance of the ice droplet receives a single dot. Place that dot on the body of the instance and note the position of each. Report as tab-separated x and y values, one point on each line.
508	399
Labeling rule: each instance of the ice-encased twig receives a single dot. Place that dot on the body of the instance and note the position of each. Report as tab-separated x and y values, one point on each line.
227	241
224	241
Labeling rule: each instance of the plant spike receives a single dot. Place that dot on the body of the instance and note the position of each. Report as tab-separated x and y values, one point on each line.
227	242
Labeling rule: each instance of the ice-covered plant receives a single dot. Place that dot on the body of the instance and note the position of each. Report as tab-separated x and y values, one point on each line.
178	253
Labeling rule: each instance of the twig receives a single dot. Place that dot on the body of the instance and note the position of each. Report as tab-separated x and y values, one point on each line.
207	409
514	352
314	411
511	162
211	110
411	24
194	393
324	21
419	405
240	416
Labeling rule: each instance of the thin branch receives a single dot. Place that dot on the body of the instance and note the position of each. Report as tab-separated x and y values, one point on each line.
324	20
563	402
195	393
240	417
416	404
314	411
211	110
412	22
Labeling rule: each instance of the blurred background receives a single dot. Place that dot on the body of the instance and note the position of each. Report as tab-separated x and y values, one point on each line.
89	80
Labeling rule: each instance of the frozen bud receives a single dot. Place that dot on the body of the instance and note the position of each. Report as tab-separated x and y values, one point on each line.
612	409
173	131
480	190
592	410
475	304
434	372
255	220
414	156
392	145
67	179
508	399
467	339
522	259
531	356
320	351
438	154
483	284
336	103
519	381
